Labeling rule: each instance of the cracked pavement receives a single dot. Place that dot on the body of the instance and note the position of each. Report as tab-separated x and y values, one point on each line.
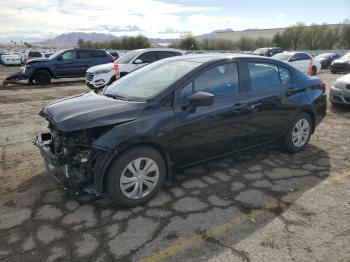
259	205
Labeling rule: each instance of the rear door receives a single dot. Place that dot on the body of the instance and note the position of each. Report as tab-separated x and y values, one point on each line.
84	61
211	130
270	110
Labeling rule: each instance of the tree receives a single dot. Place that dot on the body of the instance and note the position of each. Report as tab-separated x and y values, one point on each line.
277	40
188	42
245	44
292	36
345	36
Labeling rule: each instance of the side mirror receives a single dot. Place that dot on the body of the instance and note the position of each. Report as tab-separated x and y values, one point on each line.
199	99
292	59
138	61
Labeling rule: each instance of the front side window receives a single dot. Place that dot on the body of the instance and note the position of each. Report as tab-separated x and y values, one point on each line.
263	75
68	55
220	80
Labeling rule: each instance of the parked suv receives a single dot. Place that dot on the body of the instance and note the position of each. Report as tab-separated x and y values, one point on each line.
99	76
31	54
177	112
67	63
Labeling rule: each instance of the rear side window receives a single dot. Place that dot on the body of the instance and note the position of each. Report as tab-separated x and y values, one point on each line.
84	54
284	74
165	54
148	57
300	56
263	75
34	54
98	53
220	80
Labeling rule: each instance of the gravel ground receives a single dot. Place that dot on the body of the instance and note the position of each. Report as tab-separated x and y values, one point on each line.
260	205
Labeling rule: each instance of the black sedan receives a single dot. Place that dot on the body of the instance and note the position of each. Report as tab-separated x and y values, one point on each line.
326	59
178	111
341	65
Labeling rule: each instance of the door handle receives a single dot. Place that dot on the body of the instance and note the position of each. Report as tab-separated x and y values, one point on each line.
293	90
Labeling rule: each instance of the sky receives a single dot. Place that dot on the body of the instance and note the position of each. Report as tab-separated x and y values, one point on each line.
30	20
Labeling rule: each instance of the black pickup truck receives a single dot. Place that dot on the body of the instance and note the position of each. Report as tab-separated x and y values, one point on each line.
65	64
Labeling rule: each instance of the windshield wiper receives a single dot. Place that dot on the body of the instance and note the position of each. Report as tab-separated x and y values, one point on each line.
118	97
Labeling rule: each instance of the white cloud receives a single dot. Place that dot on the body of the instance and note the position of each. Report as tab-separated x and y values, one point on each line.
153	18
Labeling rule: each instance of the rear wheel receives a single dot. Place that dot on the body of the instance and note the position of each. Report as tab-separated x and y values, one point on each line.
136	176
298	134
41	77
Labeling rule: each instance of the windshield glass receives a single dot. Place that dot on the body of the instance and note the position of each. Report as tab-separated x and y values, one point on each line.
260	51
346	57
56	54
150	80
324	55
125	59
282	56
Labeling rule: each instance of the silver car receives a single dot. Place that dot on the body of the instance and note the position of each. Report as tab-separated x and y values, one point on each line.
339	93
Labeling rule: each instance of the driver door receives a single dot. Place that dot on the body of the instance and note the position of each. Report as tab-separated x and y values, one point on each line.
65	64
211	130
145	59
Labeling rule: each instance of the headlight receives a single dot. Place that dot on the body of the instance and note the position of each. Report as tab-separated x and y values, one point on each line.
104	71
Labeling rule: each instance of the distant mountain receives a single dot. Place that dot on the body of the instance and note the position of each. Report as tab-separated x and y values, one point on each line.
71	39
212	34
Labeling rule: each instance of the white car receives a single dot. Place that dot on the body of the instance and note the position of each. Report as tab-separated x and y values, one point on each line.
300	60
99	76
11	59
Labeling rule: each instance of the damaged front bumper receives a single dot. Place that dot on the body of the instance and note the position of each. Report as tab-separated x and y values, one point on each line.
17	76
60	171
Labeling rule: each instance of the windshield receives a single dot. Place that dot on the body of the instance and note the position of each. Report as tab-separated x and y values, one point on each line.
324	55
125	59
282	56
150	80
56	54
260	51
346	57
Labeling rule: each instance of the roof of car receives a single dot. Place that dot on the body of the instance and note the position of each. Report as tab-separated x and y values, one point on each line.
203	58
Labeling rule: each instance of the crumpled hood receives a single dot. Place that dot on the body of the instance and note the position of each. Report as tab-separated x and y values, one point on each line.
35	60
108	66
90	110
340	60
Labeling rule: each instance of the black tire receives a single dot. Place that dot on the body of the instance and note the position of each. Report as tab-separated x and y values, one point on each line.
287	141
314	70
41	77
116	169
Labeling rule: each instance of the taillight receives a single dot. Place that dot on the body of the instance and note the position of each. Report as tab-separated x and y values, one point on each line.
323	86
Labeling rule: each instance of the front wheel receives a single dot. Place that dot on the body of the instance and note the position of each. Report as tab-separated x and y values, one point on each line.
136	176
41	77
298	134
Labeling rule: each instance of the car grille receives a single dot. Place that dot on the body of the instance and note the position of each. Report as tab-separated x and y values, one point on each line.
89	76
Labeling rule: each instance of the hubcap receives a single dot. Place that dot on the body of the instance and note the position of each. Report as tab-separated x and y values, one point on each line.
300	132
139	178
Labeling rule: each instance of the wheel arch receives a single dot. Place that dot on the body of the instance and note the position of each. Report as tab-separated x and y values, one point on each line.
43	69
312	116
100	182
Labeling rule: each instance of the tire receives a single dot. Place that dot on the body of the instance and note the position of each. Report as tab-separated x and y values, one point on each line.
314	70
41	77
290	143
120	174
